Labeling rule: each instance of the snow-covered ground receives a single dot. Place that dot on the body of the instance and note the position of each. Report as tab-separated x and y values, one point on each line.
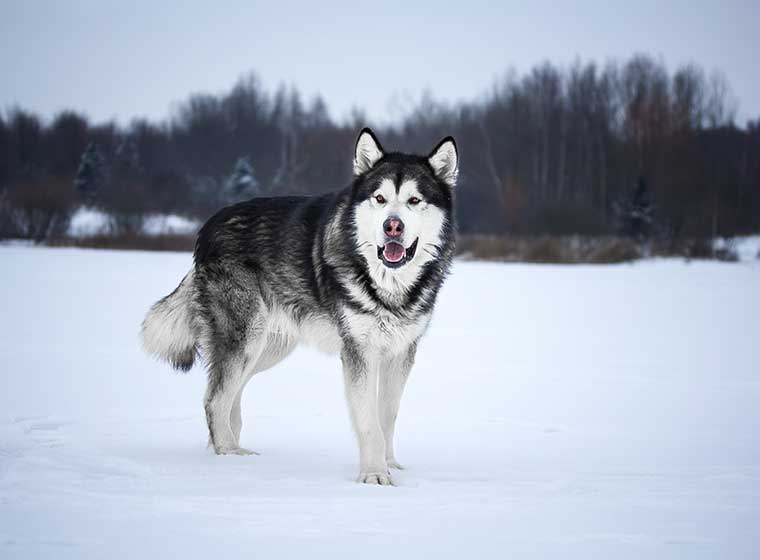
86	222
563	412
747	247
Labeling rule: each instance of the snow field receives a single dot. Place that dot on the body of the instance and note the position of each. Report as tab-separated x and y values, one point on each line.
576	411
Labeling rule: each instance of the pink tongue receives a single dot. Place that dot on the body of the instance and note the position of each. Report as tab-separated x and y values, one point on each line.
393	252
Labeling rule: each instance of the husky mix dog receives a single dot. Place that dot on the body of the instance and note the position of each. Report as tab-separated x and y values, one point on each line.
354	272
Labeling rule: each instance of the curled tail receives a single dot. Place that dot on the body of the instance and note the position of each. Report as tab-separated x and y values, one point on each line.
167	331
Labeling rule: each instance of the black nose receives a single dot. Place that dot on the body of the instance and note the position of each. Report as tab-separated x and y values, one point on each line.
393	227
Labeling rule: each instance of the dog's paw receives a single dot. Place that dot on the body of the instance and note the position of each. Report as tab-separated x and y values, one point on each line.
393	464
234	451
381	479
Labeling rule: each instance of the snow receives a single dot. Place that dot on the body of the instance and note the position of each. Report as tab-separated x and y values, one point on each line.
747	247
160	224
564	412
87	222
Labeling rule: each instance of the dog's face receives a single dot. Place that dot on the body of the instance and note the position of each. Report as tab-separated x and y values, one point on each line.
403	203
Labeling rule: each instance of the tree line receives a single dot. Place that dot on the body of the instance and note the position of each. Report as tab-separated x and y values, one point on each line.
625	148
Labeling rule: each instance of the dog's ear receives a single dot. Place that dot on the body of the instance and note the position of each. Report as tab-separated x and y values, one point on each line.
444	159
368	151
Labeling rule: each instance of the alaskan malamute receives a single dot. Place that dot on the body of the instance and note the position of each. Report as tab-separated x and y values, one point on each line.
354	272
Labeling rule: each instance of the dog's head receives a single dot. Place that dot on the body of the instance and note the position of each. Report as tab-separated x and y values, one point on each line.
403	207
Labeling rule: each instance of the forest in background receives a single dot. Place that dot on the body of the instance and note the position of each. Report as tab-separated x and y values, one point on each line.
623	149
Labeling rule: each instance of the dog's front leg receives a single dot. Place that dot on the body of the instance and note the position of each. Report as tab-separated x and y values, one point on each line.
393	375
361	376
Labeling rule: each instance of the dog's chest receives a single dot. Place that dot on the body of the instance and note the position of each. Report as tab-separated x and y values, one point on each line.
321	334
385	332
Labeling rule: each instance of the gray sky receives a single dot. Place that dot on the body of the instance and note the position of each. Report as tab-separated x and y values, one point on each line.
127	59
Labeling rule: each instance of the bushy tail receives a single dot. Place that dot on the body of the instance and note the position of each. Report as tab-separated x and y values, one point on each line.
167	331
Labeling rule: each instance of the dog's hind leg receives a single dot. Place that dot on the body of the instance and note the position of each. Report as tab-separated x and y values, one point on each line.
276	349
236	416
393	375
232	329
225	380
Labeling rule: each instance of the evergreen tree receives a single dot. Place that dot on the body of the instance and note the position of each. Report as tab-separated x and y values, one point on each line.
92	175
241	184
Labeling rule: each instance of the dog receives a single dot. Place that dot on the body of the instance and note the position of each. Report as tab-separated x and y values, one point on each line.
355	273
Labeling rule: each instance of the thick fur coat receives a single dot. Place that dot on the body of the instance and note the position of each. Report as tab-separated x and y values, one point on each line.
356	272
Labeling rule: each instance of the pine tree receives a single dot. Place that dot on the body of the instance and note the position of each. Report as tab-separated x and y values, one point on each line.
241	184
92	175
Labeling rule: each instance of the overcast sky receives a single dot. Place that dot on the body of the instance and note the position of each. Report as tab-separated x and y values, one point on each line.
128	59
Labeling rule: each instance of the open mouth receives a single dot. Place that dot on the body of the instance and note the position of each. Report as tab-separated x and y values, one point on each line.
394	254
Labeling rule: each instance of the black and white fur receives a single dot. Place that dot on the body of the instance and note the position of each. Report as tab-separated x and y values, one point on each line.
271	273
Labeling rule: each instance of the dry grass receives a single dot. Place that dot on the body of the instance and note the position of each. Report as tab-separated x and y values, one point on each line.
584	250
544	249
556	250
130	241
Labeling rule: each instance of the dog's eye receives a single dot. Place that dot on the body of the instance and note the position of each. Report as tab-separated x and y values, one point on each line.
380	199
414	201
